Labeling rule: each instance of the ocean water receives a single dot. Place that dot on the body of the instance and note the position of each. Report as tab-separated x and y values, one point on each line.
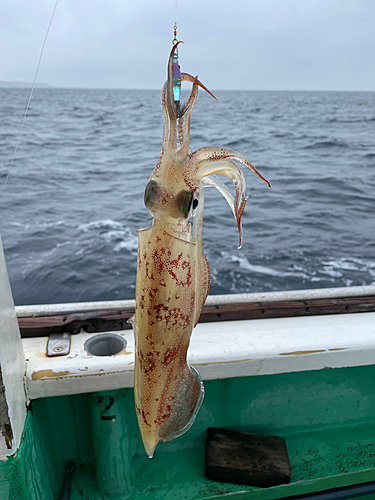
73	202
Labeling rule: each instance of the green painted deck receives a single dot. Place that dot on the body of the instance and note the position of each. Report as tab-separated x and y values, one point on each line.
327	418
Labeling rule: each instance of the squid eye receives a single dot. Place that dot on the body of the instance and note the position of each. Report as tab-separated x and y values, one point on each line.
195	201
151	192
194	204
184	199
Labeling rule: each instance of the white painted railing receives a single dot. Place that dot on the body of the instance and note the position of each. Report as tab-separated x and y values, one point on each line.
212	300
12	369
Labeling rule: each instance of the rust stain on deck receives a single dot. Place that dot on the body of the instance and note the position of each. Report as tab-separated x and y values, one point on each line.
122	353
48	374
298	353
229	362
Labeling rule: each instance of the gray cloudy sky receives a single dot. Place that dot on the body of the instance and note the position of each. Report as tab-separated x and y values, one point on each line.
231	44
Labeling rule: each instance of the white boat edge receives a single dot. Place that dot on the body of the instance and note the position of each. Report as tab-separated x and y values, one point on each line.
218	350
212	300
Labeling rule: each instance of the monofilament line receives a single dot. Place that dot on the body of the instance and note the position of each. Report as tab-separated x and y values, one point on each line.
175	12
30	95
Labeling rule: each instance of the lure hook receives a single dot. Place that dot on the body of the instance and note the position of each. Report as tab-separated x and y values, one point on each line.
174	41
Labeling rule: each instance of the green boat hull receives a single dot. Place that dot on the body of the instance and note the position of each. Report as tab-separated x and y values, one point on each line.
327	418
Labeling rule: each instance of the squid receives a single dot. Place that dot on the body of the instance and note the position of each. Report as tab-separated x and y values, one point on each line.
173	275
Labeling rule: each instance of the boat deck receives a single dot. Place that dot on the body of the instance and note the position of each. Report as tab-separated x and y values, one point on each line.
327	418
309	380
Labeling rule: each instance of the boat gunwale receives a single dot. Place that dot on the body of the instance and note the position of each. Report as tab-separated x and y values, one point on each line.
212	300
91	317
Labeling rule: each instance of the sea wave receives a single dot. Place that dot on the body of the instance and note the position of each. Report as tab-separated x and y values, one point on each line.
343	271
105	225
326	144
70	211
244	263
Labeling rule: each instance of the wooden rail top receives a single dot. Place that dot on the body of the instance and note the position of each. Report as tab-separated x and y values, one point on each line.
112	319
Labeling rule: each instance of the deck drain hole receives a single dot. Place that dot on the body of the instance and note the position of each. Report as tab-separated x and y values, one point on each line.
105	344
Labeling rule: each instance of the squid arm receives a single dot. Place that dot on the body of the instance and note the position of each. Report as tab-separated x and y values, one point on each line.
216	182
173	275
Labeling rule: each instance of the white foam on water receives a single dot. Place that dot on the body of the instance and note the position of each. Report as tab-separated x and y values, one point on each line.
330	272
39	224
115	235
111	231
341	268
100	224
245	264
131	243
337	267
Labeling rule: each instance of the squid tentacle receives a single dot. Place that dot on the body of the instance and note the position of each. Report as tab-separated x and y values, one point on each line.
167	122
185	116
229	169
184	126
193	79
215	181
203	266
212	153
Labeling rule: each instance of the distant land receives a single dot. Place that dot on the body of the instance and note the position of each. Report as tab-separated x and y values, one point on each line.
23	84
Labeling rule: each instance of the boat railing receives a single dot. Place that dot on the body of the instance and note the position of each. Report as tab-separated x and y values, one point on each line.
44	319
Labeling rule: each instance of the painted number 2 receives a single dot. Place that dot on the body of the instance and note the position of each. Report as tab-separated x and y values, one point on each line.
111	400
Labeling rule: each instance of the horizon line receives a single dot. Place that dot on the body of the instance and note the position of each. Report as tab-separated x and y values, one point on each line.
47	86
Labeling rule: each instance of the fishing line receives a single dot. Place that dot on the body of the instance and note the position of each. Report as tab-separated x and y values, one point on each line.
175	12
30	96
